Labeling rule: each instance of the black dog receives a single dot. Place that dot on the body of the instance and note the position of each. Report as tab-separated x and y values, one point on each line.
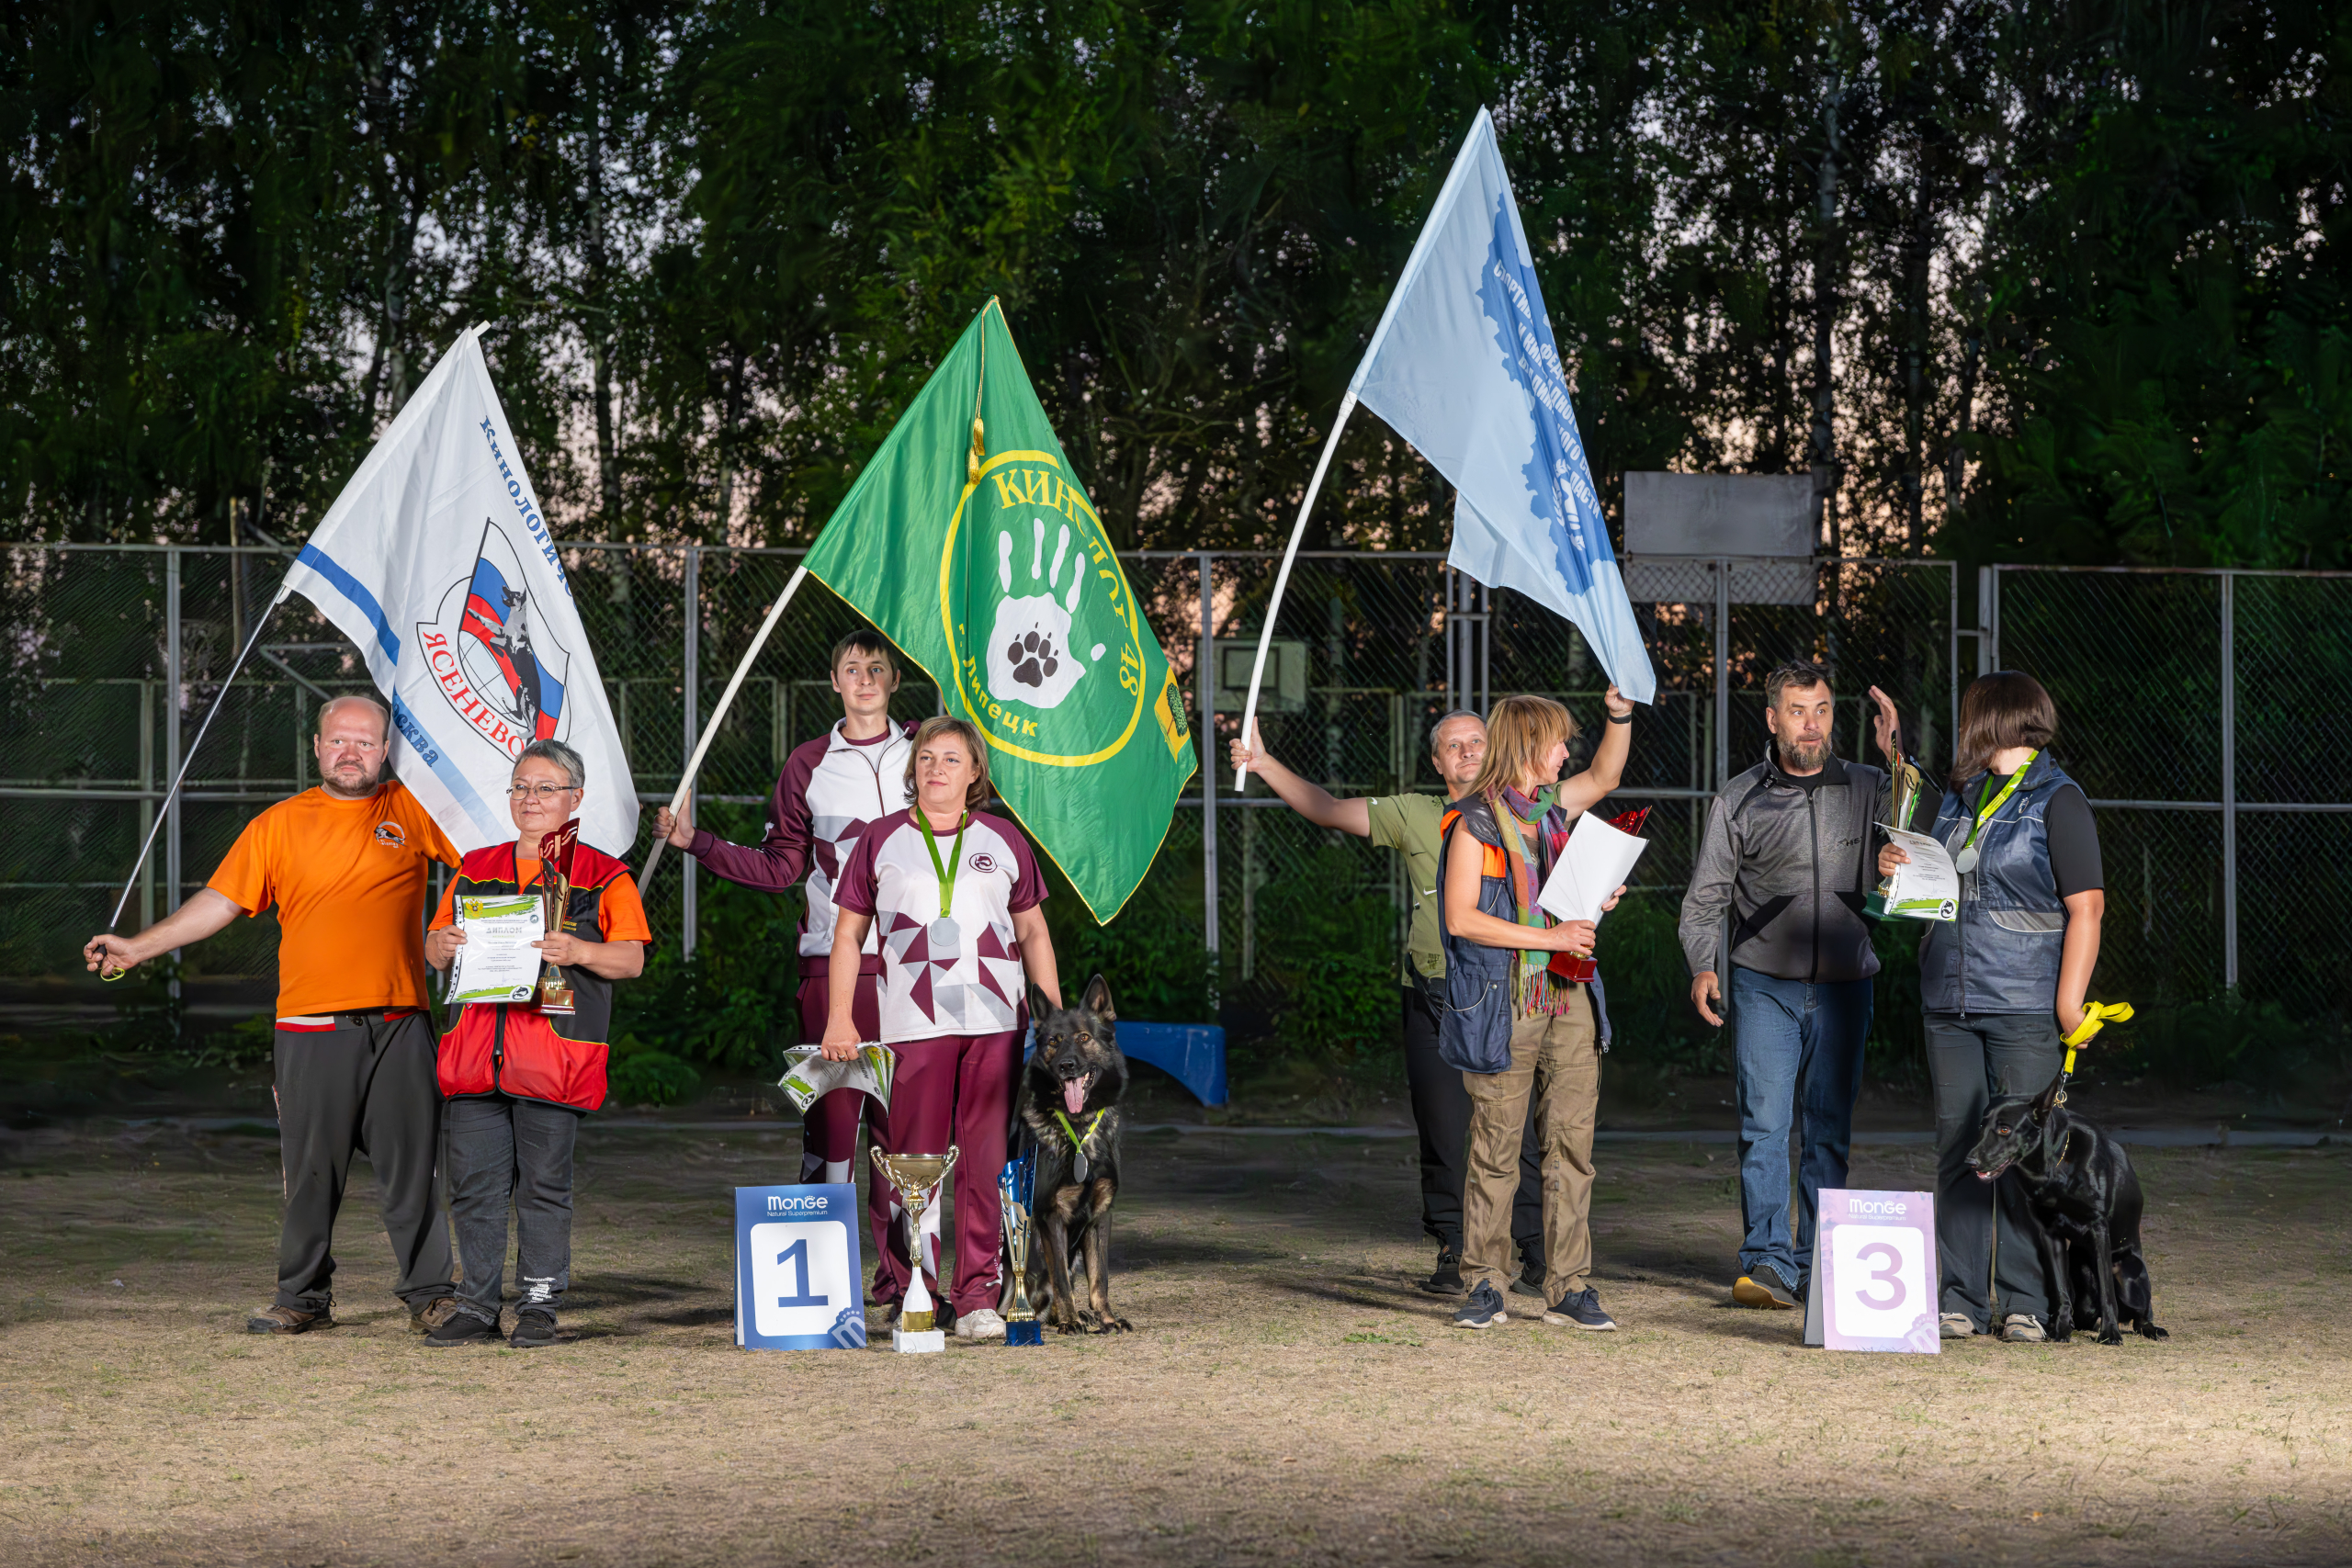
2084	1199
1069	1101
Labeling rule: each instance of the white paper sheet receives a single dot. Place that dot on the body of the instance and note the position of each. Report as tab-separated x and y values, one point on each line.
497	962
1597	861
1927	888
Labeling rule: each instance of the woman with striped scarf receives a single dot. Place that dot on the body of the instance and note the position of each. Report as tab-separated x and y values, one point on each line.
1512	1023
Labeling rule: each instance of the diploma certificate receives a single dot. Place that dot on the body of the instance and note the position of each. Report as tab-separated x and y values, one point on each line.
497	962
1928	888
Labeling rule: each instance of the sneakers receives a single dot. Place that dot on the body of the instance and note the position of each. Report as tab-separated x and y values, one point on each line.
275	1319
1531	1281
460	1328
1763	1287
1483	1310
431	1314
1955	1325
1580	1309
534	1327
1447	1279
980	1323
2022	1328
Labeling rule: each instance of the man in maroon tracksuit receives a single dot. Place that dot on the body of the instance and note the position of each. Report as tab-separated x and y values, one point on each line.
831	788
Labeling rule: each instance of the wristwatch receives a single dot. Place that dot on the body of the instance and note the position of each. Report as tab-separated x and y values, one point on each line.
1621	718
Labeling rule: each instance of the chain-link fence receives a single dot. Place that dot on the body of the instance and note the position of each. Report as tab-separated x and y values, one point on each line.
2198	710
2215	813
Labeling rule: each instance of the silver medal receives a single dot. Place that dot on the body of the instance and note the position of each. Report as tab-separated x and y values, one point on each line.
1079	1166
1966	861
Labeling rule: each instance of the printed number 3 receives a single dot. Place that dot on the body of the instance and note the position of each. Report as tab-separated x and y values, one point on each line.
1889	1275
796	1257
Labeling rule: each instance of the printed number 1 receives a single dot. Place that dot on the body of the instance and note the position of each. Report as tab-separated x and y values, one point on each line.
1890	1275
796	1256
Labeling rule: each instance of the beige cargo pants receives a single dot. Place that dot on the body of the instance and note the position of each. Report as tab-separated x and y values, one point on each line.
1557	1059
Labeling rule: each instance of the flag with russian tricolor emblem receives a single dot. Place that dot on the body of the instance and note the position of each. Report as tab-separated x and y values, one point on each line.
437	560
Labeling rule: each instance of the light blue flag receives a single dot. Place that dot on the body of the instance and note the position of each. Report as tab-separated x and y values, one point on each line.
1463	366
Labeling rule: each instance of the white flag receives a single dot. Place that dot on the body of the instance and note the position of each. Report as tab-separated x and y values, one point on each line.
435	560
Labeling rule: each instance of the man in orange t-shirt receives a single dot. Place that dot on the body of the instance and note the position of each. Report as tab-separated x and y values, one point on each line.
345	865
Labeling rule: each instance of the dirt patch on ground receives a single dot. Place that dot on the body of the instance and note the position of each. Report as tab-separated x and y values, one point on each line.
1288	1395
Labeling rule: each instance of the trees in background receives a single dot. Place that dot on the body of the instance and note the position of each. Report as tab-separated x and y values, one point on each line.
2025	280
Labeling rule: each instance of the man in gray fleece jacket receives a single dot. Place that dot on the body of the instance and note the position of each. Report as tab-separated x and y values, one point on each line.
1789	856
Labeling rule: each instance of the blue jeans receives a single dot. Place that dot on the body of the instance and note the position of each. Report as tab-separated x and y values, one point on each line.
1790	1034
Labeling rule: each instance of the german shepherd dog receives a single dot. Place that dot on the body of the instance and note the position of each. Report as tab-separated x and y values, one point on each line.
1069	1101
2084	1199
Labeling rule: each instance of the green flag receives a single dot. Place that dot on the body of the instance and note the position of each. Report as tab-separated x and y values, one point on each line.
970	543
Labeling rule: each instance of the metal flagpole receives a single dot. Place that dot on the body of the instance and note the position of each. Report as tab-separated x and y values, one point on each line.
189	760
725	700
1282	577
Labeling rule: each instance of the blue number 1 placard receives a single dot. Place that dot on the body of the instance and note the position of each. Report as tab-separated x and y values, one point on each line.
798	1275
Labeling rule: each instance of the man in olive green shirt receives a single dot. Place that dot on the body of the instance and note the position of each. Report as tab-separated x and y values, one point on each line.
1408	824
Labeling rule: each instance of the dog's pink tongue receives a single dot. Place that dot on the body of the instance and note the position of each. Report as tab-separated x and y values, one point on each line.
1074	1094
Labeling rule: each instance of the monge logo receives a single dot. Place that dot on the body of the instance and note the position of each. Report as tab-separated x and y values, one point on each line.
492	657
779	1204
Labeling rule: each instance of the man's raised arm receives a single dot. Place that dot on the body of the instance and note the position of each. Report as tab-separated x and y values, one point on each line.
1311	801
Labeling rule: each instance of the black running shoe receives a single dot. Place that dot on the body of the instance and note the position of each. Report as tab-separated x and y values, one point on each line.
1447	1280
1530	1279
1483	1310
1581	1309
534	1327
461	1328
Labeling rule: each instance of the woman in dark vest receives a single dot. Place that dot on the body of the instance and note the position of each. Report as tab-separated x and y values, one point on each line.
2002	983
517	1079
1513	1027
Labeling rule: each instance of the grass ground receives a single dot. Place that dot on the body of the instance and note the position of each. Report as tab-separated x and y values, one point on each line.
1288	1396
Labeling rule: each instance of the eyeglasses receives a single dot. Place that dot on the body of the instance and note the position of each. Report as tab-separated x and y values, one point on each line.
544	791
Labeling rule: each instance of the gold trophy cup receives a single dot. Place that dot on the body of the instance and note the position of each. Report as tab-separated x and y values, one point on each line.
1014	1186
1907	785
555	896
917	1178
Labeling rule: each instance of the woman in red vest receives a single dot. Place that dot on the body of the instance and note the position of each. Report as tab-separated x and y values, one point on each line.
518	1078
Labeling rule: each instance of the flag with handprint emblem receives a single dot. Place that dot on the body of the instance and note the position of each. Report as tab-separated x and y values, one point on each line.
971	545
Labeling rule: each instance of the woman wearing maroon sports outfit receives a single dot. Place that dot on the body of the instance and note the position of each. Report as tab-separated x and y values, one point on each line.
952	893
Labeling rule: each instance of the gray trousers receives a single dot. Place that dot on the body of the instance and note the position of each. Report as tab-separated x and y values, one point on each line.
367	1085
502	1149
1984	1246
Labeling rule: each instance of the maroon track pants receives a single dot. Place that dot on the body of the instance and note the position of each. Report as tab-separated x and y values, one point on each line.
954	1088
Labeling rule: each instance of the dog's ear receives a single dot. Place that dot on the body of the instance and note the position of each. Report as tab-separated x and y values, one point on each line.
2047	1101
1038	1006
1098	999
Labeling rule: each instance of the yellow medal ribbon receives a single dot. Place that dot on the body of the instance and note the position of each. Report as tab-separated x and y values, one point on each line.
1964	859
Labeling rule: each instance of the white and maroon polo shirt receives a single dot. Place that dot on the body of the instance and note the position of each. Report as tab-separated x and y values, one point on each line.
955	971
831	789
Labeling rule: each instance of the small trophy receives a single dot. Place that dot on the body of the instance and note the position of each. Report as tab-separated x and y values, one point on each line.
1907	785
555	892
1017	1183
1581	968
917	1178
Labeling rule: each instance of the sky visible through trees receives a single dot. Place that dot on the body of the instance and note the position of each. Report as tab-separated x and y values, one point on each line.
2024	281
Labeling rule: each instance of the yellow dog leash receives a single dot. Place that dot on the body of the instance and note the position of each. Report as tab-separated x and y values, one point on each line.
2096	1016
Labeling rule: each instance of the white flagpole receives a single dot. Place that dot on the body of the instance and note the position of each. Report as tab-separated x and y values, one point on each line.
694	763
1290	554
190	760
1454	177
